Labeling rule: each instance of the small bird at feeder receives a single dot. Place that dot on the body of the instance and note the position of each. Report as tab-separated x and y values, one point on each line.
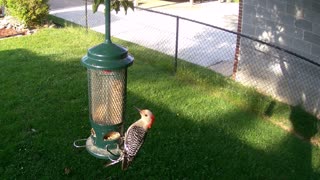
135	136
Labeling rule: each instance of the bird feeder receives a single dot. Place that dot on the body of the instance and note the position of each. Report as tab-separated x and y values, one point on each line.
106	65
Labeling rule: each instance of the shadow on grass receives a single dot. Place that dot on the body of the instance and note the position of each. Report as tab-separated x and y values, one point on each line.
45	109
179	147
269	111
39	108
301	122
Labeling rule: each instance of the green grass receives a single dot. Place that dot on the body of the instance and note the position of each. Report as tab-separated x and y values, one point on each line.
206	126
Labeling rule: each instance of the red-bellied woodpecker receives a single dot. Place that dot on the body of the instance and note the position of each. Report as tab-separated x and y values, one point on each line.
135	136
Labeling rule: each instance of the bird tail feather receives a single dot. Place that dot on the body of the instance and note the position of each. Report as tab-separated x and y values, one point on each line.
125	164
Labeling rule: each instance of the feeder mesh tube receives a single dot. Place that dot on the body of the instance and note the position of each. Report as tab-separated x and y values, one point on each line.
106	96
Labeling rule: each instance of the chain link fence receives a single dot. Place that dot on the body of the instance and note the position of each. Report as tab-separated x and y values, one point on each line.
274	71
279	73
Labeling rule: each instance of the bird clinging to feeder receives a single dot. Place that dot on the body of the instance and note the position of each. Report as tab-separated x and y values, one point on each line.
135	136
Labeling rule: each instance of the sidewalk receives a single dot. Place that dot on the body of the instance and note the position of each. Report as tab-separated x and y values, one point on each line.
152	30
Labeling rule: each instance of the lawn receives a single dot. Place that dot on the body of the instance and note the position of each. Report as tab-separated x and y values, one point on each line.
207	126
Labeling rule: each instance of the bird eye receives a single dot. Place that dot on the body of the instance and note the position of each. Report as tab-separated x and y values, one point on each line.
145	115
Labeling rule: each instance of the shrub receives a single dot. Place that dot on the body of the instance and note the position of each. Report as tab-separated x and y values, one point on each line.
3	2
30	12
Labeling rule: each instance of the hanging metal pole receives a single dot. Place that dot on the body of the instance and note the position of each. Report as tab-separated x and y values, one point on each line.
177	46
107	19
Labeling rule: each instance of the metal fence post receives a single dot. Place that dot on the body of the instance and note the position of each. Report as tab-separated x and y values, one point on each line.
239	29
177	46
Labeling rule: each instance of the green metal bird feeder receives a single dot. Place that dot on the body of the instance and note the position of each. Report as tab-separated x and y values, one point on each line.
106	65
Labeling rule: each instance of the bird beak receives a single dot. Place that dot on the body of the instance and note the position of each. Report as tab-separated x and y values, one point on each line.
137	108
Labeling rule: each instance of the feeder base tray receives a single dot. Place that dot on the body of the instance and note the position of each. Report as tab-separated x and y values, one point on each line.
101	153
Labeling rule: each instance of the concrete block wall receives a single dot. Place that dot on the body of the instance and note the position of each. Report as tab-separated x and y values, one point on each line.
280	75
292	24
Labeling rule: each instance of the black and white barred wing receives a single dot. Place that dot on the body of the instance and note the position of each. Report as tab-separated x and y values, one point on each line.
133	141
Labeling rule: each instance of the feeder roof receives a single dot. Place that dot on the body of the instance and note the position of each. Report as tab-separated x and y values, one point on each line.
107	56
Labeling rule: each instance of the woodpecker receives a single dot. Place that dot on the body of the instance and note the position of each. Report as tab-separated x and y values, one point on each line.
135	136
